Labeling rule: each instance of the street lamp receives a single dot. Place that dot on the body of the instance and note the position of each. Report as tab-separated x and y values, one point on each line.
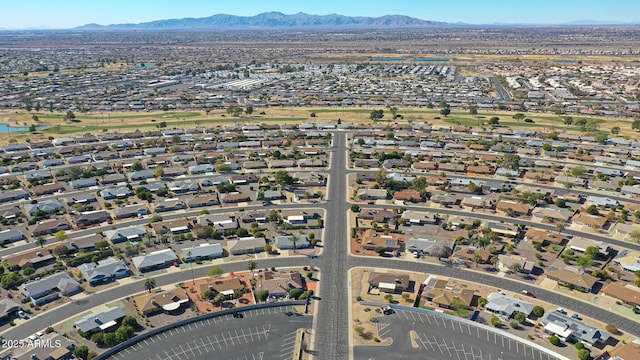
191	262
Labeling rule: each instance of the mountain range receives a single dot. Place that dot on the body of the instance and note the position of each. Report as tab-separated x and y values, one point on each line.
272	20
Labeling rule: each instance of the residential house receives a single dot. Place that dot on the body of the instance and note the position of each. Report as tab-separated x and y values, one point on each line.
34	258
168	301
628	260
249	245
572	330
552	213
50	288
63	350
8	309
581	244
465	253
50	227
280	284
234	198
389	282
407	195
104	320
88	218
219	221
129	233
446	295
127	211
298	241
371	194
202	252
518	209
226	286
184	187
171	204
628	295
11	235
507	307
155	260
203	201
177	226
574	280
121	192
419	217
508	263
543	237
427	247
390	242
46	206
48	189
591	221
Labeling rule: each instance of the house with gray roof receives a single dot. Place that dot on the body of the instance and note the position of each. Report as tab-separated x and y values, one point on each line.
155	260
201	169
100	321
50	288
47	206
11	235
424	246
506	306
83	183
128	211
115	193
202	252
213	181
79	159
106	270
298	241
573	330
142	175
129	233
184	187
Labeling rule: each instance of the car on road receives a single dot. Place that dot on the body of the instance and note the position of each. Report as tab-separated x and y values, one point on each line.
528	293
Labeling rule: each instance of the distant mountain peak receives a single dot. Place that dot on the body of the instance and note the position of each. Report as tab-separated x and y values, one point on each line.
271	20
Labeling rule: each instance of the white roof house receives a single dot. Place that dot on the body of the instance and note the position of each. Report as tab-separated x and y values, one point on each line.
155	260
202	252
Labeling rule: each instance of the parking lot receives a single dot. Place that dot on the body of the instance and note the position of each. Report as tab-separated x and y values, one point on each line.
437	337
268	333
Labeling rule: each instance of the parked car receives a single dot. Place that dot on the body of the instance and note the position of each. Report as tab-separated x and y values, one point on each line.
528	293
22	314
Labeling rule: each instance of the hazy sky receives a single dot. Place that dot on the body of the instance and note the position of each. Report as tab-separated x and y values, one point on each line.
60	14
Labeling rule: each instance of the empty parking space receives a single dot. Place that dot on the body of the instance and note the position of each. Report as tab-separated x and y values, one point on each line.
440	337
268	333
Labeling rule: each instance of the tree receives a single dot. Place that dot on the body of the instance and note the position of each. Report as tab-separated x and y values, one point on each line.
149	284
130	321
313	114
136	166
376	115
635	235
592	252
32	128
538	311
584	354
554	340
110	339
215	271
159	172
60	235
248	110
518	116
81	352
61	250
283	178
482	302
592	210
612	329
578	171
445	111
494	121
495	321
262	295
520	317
355	208
585	262
251	265
41	241
98	338
69	116
615	130
635	125
388	298
473	111
218	299
406	297
568	120
511	161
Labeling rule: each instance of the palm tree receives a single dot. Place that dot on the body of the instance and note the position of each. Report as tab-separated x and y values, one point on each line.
149	284
477	257
41	241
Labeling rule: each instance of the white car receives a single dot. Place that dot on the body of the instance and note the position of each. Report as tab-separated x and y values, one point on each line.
22	314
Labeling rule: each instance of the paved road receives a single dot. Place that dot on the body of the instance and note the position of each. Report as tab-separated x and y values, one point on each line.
502	93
